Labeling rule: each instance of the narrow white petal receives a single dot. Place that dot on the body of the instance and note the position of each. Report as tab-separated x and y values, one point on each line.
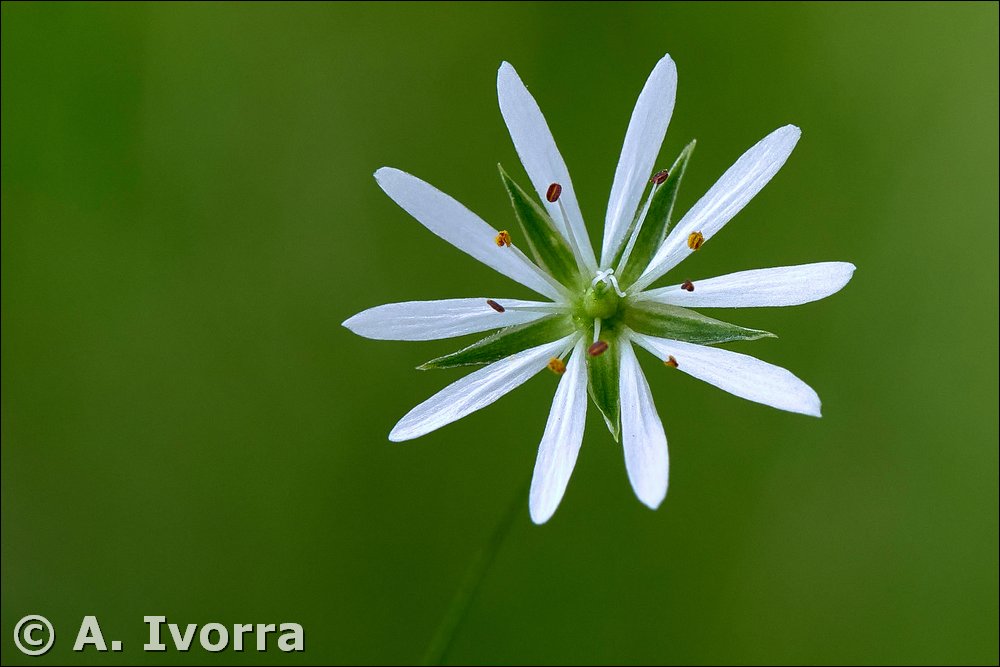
561	441
476	390
643	139
725	199
462	228
739	374
779	286
643	439
431	320
541	158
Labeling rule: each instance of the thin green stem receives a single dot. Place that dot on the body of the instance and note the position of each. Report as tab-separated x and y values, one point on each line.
451	622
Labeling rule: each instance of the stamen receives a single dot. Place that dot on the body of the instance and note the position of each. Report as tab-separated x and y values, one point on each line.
495	306
657	180
597	349
557	366
687	286
695	240
570	235
597	330
503	238
552	194
671	361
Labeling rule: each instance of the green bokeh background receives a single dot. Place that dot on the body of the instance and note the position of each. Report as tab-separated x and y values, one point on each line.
189	215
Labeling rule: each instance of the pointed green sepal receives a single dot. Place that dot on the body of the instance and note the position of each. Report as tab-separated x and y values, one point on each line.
603	384
658	220
505	342
545	242
676	323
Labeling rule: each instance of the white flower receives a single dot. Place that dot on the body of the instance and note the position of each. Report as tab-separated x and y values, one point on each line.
597	310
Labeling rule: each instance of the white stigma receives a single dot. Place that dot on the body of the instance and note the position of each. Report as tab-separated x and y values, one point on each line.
607	276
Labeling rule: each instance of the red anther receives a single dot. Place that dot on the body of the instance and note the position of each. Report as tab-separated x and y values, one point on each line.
552	194
687	286
597	349
495	306
659	177
671	361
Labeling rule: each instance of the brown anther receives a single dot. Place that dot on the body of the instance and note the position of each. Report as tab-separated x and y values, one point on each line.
671	361
687	286
552	194
503	238
597	349
660	177
557	366
695	240
495	306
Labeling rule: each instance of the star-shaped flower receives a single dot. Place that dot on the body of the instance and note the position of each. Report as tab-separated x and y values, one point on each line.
599	309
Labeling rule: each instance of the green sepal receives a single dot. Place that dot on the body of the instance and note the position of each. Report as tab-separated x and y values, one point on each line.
602	383
505	342
545	242
677	323
658	220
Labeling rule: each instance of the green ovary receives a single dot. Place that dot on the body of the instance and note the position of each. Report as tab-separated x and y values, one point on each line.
601	302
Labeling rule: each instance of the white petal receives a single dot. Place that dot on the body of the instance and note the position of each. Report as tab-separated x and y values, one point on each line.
462	228
561	441
779	286
643	439
725	199
431	320
476	390
642	144
739	374
540	156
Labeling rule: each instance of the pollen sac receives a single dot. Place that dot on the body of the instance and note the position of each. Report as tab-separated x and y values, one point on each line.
552	194
495	306
695	240
503	238
687	286
597	349
557	366
671	361
660	177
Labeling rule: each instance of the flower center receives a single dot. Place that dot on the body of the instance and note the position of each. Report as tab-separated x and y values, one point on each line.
601	300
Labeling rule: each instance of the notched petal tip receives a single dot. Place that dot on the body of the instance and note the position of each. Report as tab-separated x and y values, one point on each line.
790	133
815	409
539	514
652	500
358	325
506	74
349	323
398	435
666	61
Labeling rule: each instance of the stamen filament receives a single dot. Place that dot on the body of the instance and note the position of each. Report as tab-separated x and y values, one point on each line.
540	308
638	226
541	274
571	237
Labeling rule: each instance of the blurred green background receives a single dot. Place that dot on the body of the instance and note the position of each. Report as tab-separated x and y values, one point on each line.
189	214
